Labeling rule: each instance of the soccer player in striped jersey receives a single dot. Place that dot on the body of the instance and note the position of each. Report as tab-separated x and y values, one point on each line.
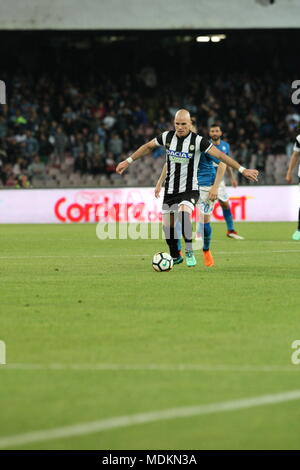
215	133
209	182
183	150
293	162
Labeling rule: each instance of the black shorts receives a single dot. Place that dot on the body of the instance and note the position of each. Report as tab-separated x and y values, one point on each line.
171	202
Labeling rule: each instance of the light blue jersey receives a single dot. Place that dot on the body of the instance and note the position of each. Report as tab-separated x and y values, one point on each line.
208	165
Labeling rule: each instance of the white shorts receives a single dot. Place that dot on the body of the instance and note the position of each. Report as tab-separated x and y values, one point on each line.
222	193
206	205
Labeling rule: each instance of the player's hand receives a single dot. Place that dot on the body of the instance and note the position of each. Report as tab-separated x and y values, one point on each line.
288	178
157	190
122	166
213	193
251	175
234	183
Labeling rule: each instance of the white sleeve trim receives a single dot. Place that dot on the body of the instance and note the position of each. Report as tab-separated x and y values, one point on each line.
163	137
297	144
210	145
200	137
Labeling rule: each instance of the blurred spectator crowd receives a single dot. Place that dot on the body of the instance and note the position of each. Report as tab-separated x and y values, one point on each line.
69	135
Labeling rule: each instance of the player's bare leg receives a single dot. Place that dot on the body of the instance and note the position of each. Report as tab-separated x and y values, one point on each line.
231	233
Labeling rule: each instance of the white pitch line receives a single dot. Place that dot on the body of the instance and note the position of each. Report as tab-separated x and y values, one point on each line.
144	418
151	367
142	254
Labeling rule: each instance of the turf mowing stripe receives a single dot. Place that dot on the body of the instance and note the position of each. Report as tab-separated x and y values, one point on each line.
70	256
144	418
254	252
143	254
153	367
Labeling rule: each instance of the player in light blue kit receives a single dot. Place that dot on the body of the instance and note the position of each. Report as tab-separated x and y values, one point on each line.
215	133
209	181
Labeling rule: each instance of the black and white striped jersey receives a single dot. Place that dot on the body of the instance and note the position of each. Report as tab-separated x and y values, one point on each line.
182	157
297	149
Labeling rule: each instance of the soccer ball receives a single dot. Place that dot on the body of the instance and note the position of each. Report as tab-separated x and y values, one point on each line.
162	262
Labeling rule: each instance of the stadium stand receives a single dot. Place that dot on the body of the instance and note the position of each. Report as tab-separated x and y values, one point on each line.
59	130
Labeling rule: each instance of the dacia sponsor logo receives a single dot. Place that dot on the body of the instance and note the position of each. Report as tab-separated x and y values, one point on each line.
174	153
178	157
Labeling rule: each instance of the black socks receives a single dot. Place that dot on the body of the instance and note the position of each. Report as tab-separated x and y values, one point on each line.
171	241
187	229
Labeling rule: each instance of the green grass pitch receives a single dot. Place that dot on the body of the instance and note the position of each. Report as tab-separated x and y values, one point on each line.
77	314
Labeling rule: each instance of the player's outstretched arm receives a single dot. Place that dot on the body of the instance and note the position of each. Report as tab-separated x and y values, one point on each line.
213	193
293	162
249	174
140	152
231	176
160	181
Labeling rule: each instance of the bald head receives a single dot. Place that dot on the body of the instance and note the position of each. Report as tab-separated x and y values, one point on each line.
183	114
182	122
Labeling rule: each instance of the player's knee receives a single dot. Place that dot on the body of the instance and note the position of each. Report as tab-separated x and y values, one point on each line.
224	205
185	208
